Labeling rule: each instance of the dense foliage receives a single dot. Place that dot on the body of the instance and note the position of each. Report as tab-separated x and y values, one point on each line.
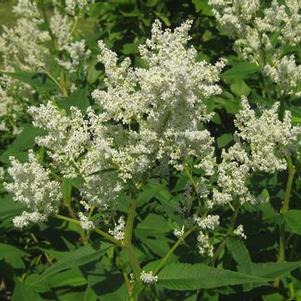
150	150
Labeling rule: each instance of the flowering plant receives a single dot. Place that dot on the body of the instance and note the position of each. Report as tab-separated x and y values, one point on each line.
128	167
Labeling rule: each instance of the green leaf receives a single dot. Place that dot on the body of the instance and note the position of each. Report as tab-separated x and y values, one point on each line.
74	258
273	297
231	105
24	141
240	254
158	246
38	81
292	220
240	71
90	295
273	269
240	88
149	191
119	295
9	208
24	293
93	74
130	48
183	276
163	18
71	277
152	3
202	5
12	255
224	140
78	99
153	224
67	190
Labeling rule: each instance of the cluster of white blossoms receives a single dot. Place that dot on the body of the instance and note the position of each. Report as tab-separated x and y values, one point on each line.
167	98
210	222
263	144
145	118
239	231
85	223
206	224
80	146
148	116
118	231
2	173
22	47
270	140
11	103
148	277
262	34
33	187
73	6
75	53
28	46
179	232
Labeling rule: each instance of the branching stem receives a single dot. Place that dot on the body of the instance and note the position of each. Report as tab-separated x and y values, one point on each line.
127	243
98	231
171	251
285	207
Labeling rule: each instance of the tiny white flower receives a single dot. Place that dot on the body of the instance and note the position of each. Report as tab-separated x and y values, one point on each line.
239	231
179	233
118	231
148	277
85	223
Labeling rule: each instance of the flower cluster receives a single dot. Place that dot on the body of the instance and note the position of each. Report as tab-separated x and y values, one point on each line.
22	47
158	115
262	145
262	34
11	103
239	231
28	46
85	223
179	232
167	97
210	222
149	118
118	231
2	173
148	277
33	187
80	146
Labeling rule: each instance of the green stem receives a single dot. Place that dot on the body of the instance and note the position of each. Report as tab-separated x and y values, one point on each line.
289	185
44	13
229	232
283	210
128	285
62	89
127	242
189	175
98	231
171	251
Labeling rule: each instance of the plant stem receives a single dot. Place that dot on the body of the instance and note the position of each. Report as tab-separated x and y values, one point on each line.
189	175
128	284
127	242
62	89
98	231
44	14
285	207
229	232
289	185
171	251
